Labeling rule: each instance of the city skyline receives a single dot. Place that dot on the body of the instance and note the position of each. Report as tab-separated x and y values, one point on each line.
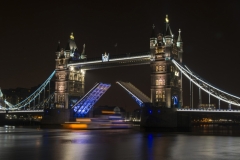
30	36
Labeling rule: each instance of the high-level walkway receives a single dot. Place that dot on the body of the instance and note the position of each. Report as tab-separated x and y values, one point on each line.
111	61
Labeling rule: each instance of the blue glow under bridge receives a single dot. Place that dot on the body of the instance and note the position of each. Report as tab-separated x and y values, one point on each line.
83	106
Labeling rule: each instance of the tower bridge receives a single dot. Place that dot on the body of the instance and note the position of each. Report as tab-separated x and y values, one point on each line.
166	71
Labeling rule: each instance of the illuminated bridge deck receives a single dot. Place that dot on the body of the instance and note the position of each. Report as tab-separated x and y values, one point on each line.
23	111
209	111
127	59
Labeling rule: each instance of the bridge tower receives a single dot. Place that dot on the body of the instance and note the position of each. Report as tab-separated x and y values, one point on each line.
69	83
166	83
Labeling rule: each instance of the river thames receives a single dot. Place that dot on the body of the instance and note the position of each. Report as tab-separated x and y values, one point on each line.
120	144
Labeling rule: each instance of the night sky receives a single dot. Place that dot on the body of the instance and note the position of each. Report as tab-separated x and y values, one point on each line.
30	31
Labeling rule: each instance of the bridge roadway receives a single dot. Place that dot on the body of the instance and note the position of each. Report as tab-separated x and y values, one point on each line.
23	111
209	110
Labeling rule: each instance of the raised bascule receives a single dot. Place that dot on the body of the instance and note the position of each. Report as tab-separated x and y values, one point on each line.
165	61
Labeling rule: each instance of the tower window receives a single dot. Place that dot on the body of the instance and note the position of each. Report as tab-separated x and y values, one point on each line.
160	68
160	81
159	96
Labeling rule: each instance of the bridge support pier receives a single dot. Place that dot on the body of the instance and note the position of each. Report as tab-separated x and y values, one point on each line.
163	118
56	117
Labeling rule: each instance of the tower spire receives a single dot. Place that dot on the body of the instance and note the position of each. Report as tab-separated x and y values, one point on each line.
58	47
168	29
179	36
1	94
153	35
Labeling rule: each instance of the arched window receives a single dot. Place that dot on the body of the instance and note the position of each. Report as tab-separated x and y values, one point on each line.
70	77
75	76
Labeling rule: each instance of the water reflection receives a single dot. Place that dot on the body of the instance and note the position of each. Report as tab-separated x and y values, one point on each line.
128	144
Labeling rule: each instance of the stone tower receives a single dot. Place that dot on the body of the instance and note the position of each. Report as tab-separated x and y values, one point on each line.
69	83
166	82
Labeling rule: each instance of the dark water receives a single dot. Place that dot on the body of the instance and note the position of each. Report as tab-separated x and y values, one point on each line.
127	144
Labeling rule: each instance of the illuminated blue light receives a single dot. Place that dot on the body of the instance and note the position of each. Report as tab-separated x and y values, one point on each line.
83	106
150	136
159	111
175	100
150	111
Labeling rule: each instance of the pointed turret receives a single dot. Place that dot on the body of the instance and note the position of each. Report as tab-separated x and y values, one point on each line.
58	47
179	36
58	50
153	39
153	35
153	43
1	94
180	46
83	55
